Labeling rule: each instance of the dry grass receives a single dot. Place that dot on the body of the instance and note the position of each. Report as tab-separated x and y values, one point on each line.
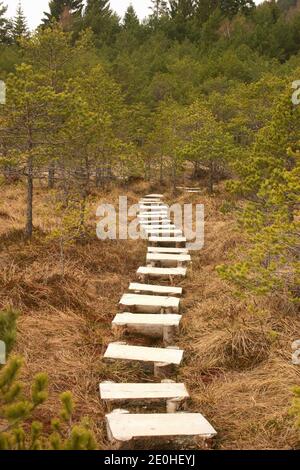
238	370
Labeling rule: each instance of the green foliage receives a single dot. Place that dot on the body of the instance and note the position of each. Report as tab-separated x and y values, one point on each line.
17	415
5	25
269	179
19	25
295	410
8	319
67	13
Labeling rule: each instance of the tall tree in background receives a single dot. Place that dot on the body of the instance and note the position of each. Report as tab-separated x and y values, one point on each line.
5	25
183	8
26	123
64	12
181	13
20	28
159	8
131	21
100	18
232	7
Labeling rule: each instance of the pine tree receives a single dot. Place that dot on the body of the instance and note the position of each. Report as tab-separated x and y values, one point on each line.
269	179
16	415
20	28
8	332
64	12
183	8
131	21
99	17
98	7
159	8
182	13
5	25
27	124
295	409
232	7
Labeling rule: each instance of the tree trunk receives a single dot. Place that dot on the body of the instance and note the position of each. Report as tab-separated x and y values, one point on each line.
62	256
82	214
161	176
174	177
211	178
29	225
51	175
98	177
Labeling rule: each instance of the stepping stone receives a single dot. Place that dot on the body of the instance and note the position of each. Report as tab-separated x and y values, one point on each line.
163	290
163	359
156	326
151	203
173	393
185	188
157	223
168	240
162	249
164	232
152	209
145	272
168	259
149	199
155	196
154	217
123	426
154	226
150	303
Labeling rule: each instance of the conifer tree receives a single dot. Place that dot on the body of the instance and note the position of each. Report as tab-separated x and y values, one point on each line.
28	124
131	21
8	332
65	12
159	8
16	415
232	7
5	25
269	179
295	409
20	28
100	18
183	8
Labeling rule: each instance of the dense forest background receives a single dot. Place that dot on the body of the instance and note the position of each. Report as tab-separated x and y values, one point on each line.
200	87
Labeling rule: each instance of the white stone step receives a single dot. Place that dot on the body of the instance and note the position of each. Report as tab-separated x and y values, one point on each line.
161	249
167	258
153	215
149	199
123	426
151	203
163	290
149	223
149	271
163	232
158	213
147	216
143	319
111	391
155	196
167	240
154	218
155	208
154	325
154	226
150	303
144	354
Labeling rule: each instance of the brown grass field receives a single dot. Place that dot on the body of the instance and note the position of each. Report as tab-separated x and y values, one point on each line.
237	362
